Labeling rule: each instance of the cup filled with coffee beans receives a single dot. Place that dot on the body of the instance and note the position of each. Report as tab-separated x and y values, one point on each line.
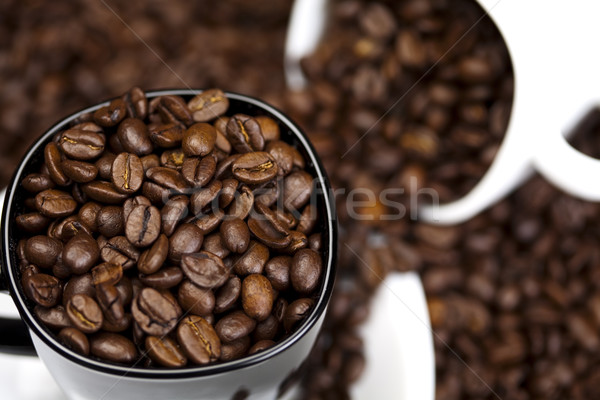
171	244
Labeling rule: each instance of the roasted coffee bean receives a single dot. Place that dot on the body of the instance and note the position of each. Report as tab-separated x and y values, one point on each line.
168	178
67	228
155	313
87	215
209	222
235	235
257	297
165	278
198	172
119	250
143	225
253	260
267	228
103	192
213	244
42	251
266	329
228	294
132	203
173	159
198	340
202	200
242	203
195	299
260	346
106	274
244	134
208	105
152	259
223	170
75	340
268	127
297	189
222	143
283	154
174	110
125	289
53	160
308	219
80	144
235	349
136	103
166	135
79	171
187	239
84	313
111	114
33	222
80	253
165	351
298	240
277	270
296	312
78	284
109	221
133	135
157	194
254	168
234	326
110	303
204	269
199	139
54	318
306	270
36	183
173	212
55	203
104	165
42	288
127	173
315	242
150	161
227	193
113	347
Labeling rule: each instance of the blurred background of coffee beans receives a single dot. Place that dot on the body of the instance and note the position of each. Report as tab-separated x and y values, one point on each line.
513	292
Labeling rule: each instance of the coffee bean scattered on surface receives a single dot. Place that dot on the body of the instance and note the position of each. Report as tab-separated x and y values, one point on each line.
162	263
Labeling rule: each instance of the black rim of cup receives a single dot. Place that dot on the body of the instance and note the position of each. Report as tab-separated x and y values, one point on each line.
289	129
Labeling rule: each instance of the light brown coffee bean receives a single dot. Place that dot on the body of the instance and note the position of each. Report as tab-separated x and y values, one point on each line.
198	340
235	235
55	203
234	326
257	297
208	105
165	351
199	139
127	173
204	269
254	168
306	270
143	225
84	313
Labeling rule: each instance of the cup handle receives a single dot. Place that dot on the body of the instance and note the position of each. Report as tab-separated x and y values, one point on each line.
14	335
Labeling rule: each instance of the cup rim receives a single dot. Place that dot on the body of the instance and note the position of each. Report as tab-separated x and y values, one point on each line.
9	273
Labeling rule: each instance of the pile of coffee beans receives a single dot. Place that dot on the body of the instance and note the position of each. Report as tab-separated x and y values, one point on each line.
169	233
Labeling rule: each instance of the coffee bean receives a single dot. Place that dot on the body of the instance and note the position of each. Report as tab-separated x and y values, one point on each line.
78	284
208	105
187	239
164	278
209	222
136	103
166	135
283	154
260	346
67	228
174	110
266	329
155	313
199	139
157	194
112	308
103	192
195	299
308	219
80	253
165	351
150	161
235	235
242	203
109	221
253	260
79	171
132	203
213	244
84	313
202	200
277	270
227	295
227	193
173	159
167	178
204	269
118	250
75	340
106	274
257	297
111	114
198	340
42	288
297	189
113	347
42	251
80	144
235	349
254	168
198	172
127	173
36	183
223	170
53	160
296	312
143	225
152	259
298	240
33	222
244	134
54	318
268	127
55	203
315	242
104	165
268	229
234	325
133	135
173	212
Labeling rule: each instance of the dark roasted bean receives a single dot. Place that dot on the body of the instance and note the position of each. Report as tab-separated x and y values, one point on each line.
257	297
79	171
173	212
198	172
235	235
54	318
42	288
199	139
234	326
244	134
187	239
103	192
84	313
127	173
113	347
208	105
75	340
35	183
227	295
296	312
109	221
111	114
253	260
277	270
165	352
195	299
254	168
165	278
306	270
152	259
133	135
119	250
198	339
33	222
80	253
155	313
55	203
166	135
143	225
204	269
43	251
